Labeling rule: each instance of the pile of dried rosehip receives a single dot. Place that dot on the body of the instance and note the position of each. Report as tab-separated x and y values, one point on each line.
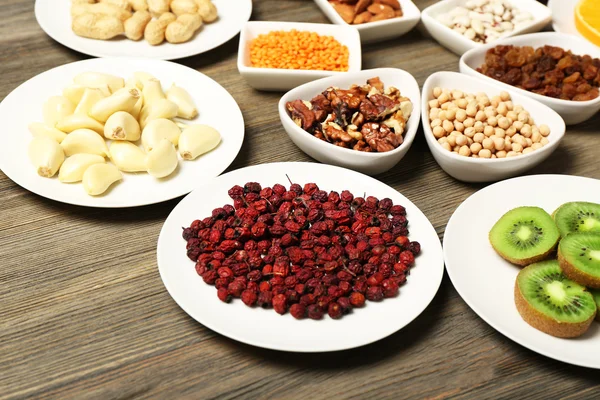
302	249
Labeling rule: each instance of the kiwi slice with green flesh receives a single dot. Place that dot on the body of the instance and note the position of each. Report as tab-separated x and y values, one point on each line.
524	235
552	303
596	294
579	257
577	216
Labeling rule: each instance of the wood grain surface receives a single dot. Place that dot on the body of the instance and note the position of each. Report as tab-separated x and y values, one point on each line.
84	314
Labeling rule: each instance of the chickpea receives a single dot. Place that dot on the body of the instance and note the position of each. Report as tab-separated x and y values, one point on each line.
485	101
511	154
492	121
450	114
439	132
544	130
462	103
443	98
471	110
437	91
448	126
507	143
434	113
516	147
501	154
461	115
502	109
447	146
498	144
537	146
488	143
442	115
445	106
479	127
518	108
512	116
530	121
504	96
443	140
496	101
469	122
456	148
544	141
523	116
469	132
478	138
527	150
499	132
461	140
464	151
488	130
490	113
475	148
451	140
511	131
526	130
457	94
503	123
493	156
436	122
518	125
434	103
459	126
529	142
536	137
470	141
480	116
485	153
509	105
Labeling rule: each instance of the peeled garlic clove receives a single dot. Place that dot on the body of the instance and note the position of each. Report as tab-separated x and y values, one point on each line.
46	155
137	109
96	79
73	168
157	130
196	140
75	92
180	125
56	108
38	129
122	126
79	121
162	160
162	108
185	103
122	100
152	91
138	79
84	141
89	98
98	178
128	157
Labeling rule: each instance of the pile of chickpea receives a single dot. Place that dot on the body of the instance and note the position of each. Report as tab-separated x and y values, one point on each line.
473	125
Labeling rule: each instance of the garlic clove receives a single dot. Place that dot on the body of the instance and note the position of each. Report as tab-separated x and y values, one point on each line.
73	168
122	100
157	130
162	160
122	126
79	121
137	108
46	155
38	129
196	140
96	79
138	79
75	92
128	157
180	125
56	108
97	178
90	97
183	100
84	141
152	91
162	108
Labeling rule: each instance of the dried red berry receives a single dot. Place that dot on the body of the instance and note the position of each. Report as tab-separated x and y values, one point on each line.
407	257
374	293
314	312
357	299
223	295
335	311
298	311
249	297
390	288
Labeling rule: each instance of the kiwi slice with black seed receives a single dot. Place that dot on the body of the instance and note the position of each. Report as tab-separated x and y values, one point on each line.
596	294
552	303
524	235
579	257
577	216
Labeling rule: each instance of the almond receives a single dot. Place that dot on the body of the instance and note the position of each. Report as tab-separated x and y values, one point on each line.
362	18
361	6
346	11
378	8
392	3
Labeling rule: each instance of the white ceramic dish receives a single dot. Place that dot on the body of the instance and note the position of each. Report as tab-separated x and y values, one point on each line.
459	44
485	170
368	163
54	17
24	105
266	328
285	79
563	16
486	281
379	30
573	112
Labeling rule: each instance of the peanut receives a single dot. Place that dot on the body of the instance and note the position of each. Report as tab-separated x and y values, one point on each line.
100	8
139	5
135	26
180	7
207	10
182	29
155	30
158	7
97	26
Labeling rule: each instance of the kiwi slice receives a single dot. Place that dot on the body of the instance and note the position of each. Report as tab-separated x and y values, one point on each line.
579	257
550	302
524	235
596	294
577	216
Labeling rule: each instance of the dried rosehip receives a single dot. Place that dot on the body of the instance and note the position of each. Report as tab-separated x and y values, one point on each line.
415	248
407	257
264	299
390	288
249	297
280	304
335	311
298	311
374	293
314	312
357	299
223	295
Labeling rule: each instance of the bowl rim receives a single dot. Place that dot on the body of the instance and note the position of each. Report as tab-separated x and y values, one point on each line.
510	40
427	15
431	141
408	135
353	44
338	20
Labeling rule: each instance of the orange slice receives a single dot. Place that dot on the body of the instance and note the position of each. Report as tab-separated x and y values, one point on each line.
587	20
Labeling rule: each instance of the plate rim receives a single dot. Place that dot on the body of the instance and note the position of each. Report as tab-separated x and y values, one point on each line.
218	330
56	198
472	304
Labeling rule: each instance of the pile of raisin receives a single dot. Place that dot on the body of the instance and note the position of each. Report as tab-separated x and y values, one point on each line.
303	249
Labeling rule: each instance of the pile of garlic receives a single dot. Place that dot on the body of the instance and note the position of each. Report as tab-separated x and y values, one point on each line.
98	106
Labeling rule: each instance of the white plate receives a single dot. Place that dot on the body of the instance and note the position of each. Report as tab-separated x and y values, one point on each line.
563	16
54	17
24	105
265	328
486	282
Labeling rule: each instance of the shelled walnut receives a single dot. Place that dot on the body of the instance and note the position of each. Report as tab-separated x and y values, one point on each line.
367	118
357	12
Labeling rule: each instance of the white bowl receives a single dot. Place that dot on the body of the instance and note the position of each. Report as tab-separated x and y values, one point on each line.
459	44
378	30
285	79
573	112
470	169
368	163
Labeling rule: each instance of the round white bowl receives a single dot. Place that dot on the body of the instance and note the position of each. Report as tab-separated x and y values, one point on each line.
459	44
573	112
470	169
284	79
368	163
379	30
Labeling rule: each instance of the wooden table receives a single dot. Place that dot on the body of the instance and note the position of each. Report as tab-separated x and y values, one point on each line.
84	313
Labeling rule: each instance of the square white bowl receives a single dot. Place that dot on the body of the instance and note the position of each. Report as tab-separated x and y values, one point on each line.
367	163
285	79
573	112
470	169
459	44
379	30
